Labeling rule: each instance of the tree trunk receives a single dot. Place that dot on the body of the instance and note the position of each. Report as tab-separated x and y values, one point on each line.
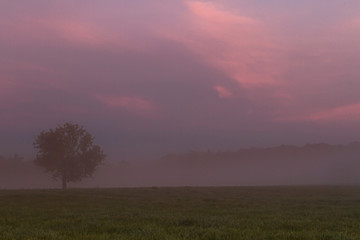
64	182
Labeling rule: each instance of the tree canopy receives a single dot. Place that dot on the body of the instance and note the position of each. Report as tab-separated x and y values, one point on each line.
68	153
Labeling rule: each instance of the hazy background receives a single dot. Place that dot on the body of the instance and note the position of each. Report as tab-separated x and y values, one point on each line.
148	78
283	165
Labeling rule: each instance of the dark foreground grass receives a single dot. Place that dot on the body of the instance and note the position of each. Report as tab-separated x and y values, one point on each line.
182	213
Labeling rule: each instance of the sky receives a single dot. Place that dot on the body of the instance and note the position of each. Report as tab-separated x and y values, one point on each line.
148	78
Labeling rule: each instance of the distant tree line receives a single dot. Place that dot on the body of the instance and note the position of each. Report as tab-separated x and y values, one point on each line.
280	153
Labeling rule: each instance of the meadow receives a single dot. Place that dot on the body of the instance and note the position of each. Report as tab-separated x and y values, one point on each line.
301	212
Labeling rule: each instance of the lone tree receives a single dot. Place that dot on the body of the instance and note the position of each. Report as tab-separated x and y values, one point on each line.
68	152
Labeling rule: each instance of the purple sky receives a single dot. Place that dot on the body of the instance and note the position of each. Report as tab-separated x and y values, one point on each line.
151	77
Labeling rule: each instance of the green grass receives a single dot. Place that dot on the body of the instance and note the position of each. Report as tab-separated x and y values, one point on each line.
182	213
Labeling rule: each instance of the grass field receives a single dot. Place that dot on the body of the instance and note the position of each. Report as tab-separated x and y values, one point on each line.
182	213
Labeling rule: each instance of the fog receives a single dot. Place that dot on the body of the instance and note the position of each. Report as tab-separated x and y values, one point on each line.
283	165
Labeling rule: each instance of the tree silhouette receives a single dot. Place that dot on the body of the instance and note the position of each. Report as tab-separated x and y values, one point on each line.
68	152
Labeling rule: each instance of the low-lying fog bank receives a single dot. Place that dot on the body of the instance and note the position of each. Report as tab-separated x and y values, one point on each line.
283	165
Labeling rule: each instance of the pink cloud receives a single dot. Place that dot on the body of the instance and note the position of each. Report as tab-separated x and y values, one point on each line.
223	92
347	113
81	33
239	46
350	24
216	13
136	105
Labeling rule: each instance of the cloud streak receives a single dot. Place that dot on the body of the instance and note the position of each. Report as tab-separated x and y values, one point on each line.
347	113
132	104
223	92
239	46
